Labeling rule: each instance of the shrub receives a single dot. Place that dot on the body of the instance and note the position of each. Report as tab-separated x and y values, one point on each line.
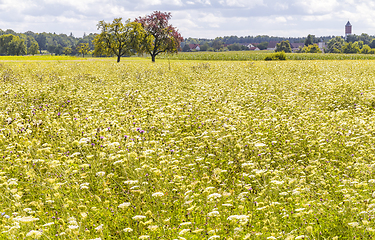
276	56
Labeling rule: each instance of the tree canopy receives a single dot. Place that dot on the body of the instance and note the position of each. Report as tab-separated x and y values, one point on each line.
12	45
160	36
335	45
118	39
283	46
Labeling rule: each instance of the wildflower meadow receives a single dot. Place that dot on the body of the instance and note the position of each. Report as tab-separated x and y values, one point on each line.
187	150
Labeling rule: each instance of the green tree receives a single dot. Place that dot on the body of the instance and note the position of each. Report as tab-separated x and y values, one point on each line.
118	39
51	48
41	38
365	38
262	45
367	50
83	48
33	49
310	40
283	46
359	44
350	48
217	44
67	50
186	48
314	48
234	47
352	38
12	45
205	47
335	45
160	36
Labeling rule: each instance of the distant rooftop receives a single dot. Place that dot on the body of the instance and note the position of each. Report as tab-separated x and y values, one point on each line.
348	24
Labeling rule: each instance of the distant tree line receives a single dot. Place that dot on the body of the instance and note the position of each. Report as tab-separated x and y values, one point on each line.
233	43
12	43
363	44
251	39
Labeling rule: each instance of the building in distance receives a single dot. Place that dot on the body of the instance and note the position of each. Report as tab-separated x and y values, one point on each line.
348	29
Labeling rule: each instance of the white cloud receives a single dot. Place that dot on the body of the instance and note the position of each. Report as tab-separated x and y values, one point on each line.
205	2
195	18
281	6
318	6
241	3
280	19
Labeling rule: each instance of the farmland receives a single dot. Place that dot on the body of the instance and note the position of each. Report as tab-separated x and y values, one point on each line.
187	150
260	55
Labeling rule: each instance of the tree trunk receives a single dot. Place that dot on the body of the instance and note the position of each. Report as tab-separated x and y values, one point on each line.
118	58
153	58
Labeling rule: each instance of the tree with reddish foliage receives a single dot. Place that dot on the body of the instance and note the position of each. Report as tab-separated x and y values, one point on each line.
160	37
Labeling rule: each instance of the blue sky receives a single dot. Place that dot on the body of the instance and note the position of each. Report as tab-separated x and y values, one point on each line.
195	18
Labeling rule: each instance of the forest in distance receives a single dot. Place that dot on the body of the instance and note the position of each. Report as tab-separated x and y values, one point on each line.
30	42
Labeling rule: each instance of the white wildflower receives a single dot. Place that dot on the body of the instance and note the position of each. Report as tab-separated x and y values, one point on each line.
183	231
213	214
34	234
158	194
214	196
100	174
124	205
138	217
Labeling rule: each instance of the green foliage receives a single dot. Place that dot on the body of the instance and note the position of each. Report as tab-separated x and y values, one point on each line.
310	40
204	47
33	49
367	50
262	46
335	45
82	48
118	39
283	46
359	44
186	48
311	49
372	43
352	38
350	47
67	50
276	56
260	55
39	58
12	45
217	44
237	47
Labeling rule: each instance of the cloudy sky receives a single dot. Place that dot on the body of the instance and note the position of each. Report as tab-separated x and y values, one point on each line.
195	18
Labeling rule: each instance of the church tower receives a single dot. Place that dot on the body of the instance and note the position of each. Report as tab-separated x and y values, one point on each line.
348	29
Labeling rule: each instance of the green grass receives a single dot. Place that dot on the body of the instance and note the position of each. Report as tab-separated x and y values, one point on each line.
187	150
39	58
260	55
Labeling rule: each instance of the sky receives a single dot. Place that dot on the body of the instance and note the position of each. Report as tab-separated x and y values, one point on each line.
195	18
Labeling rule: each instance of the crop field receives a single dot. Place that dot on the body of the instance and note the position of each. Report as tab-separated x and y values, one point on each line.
38	58
187	150
260	55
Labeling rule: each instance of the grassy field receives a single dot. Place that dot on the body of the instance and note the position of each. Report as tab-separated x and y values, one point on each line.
187	150
39	58
260	55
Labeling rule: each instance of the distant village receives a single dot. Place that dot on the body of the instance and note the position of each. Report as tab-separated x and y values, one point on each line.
349	43
254	46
